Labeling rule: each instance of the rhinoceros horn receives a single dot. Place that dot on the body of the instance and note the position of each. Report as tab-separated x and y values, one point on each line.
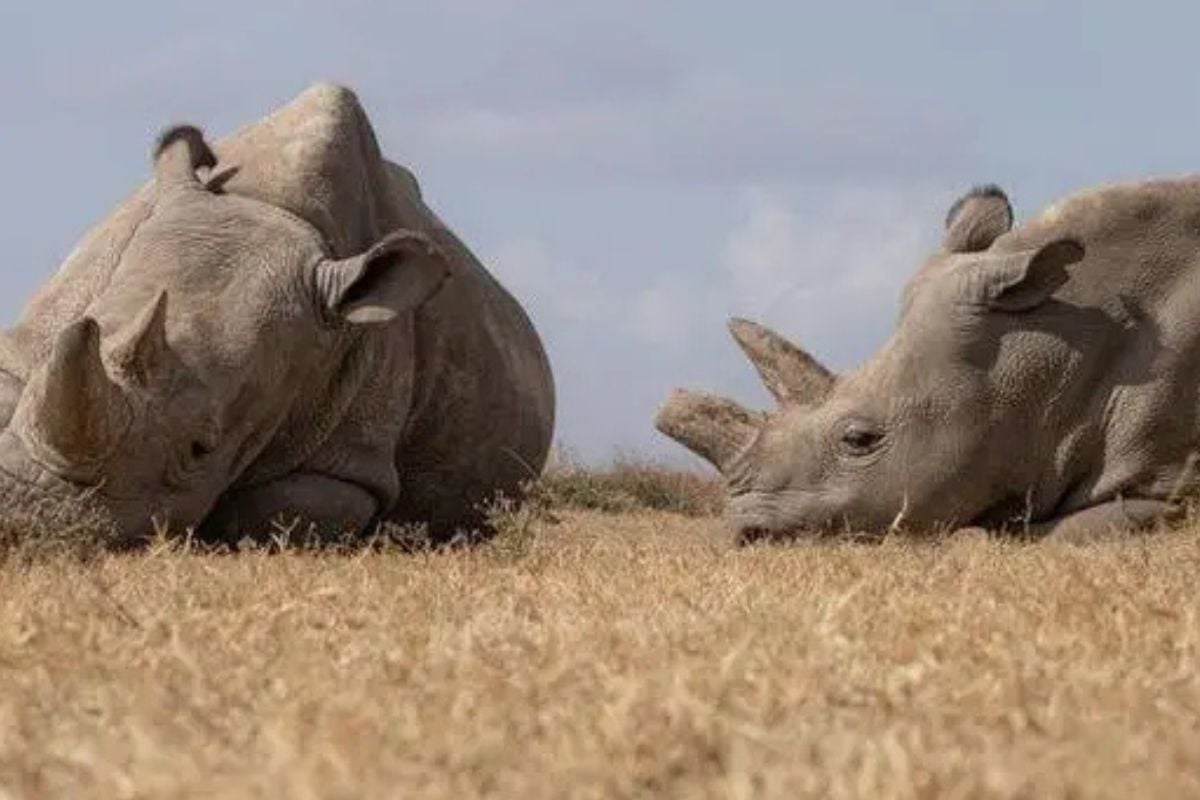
145	353
712	427
76	411
791	375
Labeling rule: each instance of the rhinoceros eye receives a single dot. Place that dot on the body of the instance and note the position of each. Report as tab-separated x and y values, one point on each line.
187	462
860	438
203	445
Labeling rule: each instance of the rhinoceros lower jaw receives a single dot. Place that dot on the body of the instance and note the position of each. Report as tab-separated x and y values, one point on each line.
54	504
27	462
28	488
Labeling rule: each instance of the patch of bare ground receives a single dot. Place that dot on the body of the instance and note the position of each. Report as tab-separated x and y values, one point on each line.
631	655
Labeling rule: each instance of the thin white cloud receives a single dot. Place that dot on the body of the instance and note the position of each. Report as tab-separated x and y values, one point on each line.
825	273
551	285
665	315
836	269
831	275
700	127
559	289
766	252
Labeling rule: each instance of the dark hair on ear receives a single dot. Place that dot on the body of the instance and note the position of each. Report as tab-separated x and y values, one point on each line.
200	153
985	190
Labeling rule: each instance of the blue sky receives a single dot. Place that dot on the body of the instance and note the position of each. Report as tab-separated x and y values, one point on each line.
635	172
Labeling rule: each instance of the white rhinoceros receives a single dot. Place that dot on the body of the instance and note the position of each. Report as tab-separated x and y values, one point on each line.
1044	378
277	324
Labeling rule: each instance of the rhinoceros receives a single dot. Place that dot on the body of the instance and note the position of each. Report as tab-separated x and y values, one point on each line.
276	323
1041	379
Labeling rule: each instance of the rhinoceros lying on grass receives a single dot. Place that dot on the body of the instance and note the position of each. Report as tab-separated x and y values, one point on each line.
279	324
1044	378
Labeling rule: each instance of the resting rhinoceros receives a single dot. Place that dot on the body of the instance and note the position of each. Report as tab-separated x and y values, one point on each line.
1043	378
276	324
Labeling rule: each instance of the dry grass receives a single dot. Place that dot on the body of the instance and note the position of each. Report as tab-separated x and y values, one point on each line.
630	483
606	656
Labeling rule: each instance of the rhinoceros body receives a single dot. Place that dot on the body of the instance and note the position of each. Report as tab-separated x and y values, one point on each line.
1044	377
287	330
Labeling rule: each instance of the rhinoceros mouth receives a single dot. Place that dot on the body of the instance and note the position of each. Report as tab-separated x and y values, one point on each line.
36	498
18	491
32	466
43	482
756	517
20	465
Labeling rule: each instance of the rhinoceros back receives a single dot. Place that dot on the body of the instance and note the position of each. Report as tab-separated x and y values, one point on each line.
482	410
1129	320
483	406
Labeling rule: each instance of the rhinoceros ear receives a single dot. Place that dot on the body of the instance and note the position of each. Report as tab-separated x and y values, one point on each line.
179	151
977	219
395	276
1024	280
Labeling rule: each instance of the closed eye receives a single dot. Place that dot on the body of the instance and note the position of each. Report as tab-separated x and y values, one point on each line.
187	463
203	445
859	439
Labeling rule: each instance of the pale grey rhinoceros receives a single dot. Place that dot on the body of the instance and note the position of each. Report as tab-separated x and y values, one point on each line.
1045	379
282	328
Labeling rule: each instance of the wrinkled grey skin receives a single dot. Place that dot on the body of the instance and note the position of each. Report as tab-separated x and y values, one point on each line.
1041	379
287	331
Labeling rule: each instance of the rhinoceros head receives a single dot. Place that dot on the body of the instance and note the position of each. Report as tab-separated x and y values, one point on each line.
908	437
219	314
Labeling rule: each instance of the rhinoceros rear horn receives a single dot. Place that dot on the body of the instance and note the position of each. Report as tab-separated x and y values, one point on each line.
76	410
713	428
145	352
791	375
179	151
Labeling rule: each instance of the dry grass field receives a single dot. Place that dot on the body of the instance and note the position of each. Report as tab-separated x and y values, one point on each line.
606	654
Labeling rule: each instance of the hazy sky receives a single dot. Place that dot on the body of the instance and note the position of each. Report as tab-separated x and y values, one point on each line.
634	172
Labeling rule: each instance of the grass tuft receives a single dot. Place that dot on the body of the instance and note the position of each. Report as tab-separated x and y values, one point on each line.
53	529
630	483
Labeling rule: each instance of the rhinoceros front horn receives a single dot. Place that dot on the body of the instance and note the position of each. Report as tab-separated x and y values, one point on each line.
75	410
791	375
712	427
